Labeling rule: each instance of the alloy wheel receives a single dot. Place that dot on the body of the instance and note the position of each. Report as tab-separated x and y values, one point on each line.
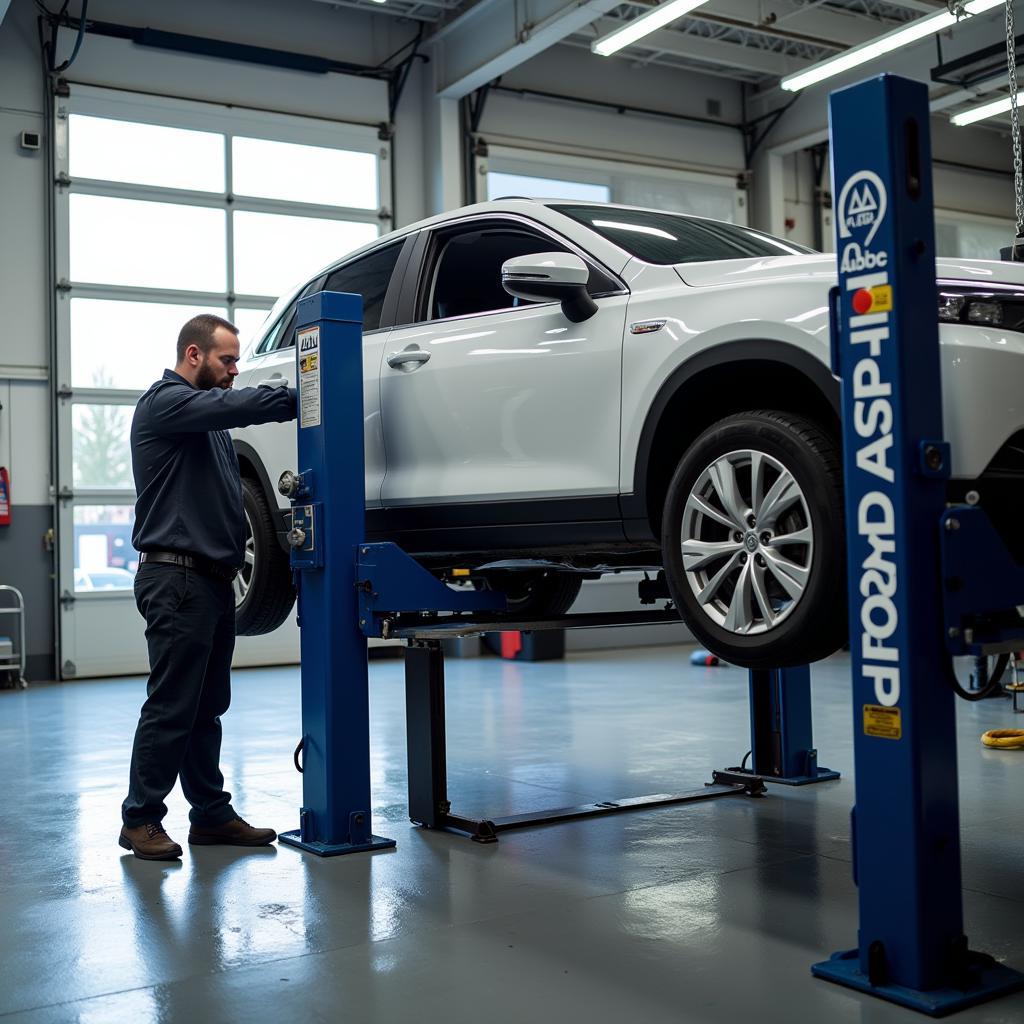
747	542
244	578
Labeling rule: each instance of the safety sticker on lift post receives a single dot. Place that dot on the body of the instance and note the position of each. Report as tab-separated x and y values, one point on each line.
309	377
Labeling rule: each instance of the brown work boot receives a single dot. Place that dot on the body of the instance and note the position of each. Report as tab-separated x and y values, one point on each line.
149	842
232	833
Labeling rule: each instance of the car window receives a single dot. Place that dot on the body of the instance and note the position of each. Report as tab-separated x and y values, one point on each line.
467	278
368	276
666	238
273	338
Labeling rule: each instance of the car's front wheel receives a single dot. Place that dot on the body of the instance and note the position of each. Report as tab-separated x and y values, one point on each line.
264	594
753	541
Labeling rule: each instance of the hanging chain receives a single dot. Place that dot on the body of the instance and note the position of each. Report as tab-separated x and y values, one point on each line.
1018	168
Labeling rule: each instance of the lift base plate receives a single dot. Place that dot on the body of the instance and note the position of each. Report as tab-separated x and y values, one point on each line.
335	849
823	775
989	980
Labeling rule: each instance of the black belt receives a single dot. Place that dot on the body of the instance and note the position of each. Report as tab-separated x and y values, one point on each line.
206	566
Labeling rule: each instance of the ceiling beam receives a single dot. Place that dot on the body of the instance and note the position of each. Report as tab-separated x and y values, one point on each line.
495	36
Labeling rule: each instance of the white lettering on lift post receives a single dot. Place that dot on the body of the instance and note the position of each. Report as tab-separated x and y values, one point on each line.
862	207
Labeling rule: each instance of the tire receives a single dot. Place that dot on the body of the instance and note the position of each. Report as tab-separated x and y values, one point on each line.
536	595
751	600
264	594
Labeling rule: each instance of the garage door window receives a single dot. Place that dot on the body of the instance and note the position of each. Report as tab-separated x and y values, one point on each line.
167	209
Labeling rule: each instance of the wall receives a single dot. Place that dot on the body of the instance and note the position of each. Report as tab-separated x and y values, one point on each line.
24	346
639	138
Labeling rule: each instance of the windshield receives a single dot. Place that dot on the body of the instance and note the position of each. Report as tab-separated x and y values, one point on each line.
666	238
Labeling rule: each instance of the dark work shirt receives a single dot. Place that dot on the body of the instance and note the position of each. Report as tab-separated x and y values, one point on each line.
186	472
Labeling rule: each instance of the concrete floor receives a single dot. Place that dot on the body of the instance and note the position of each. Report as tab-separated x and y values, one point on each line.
711	912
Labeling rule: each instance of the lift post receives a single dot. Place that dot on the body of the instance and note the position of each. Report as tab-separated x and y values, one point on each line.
912	949
328	525
781	735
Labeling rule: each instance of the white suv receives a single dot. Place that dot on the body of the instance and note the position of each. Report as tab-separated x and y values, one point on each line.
555	390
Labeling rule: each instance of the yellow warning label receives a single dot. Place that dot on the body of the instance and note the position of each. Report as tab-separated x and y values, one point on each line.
881	298
882	722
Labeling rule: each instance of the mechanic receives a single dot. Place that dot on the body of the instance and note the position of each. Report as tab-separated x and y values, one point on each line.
190	530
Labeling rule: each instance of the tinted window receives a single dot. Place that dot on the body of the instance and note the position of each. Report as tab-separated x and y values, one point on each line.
468	278
666	238
274	338
368	276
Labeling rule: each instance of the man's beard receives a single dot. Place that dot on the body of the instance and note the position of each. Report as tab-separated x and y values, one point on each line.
209	378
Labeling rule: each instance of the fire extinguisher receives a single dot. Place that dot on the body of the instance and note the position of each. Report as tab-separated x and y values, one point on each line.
5	497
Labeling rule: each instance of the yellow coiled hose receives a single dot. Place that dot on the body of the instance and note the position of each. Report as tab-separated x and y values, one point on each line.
1004	739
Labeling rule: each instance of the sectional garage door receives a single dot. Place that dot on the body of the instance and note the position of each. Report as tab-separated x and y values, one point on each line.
165	209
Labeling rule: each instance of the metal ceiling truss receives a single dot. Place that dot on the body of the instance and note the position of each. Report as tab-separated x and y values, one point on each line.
429	11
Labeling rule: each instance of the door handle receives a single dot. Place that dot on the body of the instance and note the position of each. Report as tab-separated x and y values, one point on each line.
409	355
275	381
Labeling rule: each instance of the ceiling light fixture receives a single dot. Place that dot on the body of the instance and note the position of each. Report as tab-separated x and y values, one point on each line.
984	111
912	32
659	17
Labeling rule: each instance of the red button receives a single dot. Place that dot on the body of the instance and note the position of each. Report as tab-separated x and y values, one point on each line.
862	301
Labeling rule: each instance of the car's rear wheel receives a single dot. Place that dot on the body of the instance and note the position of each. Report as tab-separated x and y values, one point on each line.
753	541
538	594
264	594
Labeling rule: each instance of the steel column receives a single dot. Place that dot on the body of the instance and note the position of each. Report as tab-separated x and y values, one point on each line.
912	949
328	527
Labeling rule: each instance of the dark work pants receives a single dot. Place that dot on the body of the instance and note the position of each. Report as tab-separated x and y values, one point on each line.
190	630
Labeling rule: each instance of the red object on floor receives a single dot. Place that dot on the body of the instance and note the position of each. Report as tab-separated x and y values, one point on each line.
511	644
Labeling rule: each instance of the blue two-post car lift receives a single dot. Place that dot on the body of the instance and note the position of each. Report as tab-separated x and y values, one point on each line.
926	582
904	625
350	590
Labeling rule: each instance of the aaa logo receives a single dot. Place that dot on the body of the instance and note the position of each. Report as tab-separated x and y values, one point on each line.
862	204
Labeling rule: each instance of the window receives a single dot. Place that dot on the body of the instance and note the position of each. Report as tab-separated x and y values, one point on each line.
368	276
167	209
137	244
666	238
468	275
274	252
500	184
971	238
275	336
519	172
124	345
304	174
145	154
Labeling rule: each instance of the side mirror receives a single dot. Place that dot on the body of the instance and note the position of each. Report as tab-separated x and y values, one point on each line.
544	276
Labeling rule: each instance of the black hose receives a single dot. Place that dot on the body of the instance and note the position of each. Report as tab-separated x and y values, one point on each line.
295	756
1000	668
972	695
743	763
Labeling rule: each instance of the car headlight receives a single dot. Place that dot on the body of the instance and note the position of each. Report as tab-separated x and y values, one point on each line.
962	305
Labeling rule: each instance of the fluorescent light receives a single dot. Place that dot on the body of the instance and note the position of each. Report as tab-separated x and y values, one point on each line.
638	228
645	25
985	110
873	48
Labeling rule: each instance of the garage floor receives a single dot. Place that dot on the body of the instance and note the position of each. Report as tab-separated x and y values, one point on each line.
709	912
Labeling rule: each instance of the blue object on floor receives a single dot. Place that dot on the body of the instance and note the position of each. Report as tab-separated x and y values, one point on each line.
700	657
